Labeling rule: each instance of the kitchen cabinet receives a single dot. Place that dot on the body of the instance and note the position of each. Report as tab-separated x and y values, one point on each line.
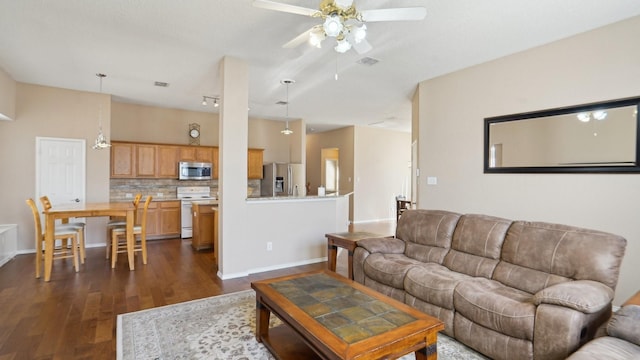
122	160
146	160
254	163
167	161
205	227
160	161
196	153
214	155
169	218
163	219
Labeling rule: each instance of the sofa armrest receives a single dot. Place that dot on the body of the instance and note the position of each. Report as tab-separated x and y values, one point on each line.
585	296
383	245
625	324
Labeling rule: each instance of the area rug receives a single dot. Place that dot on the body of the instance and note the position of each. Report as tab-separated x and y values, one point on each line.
219	327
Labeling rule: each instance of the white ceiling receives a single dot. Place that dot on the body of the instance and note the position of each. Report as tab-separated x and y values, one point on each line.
64	43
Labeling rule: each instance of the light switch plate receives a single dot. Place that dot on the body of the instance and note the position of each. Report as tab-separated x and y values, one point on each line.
432	180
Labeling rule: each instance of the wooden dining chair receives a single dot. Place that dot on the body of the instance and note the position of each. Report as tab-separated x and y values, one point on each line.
62	234
119	239
78	225
121	222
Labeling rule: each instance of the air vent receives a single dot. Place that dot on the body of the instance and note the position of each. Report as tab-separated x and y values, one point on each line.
281	102
161	84
368	61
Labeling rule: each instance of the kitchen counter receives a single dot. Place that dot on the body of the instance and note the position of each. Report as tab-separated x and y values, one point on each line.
155	199
296	198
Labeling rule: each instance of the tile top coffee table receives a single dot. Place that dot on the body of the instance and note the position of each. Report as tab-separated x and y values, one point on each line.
348	241
327	316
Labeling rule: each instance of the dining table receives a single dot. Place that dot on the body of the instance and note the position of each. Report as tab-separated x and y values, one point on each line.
81	210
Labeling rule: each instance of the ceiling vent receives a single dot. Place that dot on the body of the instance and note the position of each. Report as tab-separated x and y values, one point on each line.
367	61
281	102
161	84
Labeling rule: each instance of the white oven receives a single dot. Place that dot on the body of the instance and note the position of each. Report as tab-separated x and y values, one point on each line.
187	195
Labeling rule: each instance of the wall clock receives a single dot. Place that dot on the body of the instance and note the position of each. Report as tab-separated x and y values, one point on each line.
194	134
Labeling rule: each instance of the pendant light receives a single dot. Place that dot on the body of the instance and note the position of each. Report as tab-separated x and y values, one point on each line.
101	140
286	130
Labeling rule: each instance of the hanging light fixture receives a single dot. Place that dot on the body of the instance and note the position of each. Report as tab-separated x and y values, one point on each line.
101	140
286	130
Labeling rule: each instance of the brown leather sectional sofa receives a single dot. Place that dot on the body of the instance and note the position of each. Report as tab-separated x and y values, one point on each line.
508	289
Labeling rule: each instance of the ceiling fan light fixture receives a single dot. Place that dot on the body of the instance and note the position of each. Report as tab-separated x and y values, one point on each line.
343	4
316	38
342	46
359	33
333	26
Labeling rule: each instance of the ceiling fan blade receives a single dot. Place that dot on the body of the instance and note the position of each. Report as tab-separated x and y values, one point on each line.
397	14
272	5
362	47
298	40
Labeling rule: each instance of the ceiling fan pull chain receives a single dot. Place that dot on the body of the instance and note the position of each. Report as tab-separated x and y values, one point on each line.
336	75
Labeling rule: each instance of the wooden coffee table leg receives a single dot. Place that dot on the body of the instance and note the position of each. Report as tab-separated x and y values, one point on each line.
262	320
332	254
430	352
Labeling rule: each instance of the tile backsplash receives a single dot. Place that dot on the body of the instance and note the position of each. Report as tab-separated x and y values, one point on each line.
119	188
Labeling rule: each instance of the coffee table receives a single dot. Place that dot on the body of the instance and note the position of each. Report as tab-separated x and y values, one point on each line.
327	316
348	241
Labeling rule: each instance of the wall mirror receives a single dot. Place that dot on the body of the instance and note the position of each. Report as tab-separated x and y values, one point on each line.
593	138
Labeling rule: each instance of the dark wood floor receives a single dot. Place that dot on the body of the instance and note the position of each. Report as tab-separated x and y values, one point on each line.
74	315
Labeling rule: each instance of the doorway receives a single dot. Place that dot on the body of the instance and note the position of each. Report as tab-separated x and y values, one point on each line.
60	169
330	172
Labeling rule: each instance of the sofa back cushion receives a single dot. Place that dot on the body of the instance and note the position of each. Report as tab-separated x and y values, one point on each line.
536	255
476	246
427	233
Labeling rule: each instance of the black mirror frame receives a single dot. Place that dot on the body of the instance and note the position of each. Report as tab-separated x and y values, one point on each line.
561	111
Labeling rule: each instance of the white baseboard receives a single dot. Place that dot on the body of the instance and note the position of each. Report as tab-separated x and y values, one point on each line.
269	268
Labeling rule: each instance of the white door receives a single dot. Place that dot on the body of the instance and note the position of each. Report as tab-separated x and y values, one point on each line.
60	169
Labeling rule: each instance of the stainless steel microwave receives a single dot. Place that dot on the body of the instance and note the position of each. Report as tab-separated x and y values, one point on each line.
195	170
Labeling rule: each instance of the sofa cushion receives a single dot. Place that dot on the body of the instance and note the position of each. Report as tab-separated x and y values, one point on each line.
562	252
476	245
607	347
389	269
625	324
433	284
428	233
496	307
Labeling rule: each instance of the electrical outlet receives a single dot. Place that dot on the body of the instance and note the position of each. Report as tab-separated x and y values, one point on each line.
269	246
160	195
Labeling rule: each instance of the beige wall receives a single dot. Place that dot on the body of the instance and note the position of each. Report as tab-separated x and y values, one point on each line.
382	172
341	139
590	67
49	112
131	122
373	164
7	96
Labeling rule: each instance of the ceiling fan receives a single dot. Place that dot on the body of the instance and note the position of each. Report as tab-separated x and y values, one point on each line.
341	21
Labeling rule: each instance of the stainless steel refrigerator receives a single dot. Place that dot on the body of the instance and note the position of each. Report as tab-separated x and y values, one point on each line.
282	179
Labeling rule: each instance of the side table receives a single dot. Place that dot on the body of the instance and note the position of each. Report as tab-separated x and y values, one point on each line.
348	241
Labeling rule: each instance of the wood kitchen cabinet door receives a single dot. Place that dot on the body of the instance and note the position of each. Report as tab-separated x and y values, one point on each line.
254	163
168	158
215	161
169	218
122	160
196	153
152	219
146	160
205	228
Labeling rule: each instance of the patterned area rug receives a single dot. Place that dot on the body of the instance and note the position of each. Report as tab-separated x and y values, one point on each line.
219	327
